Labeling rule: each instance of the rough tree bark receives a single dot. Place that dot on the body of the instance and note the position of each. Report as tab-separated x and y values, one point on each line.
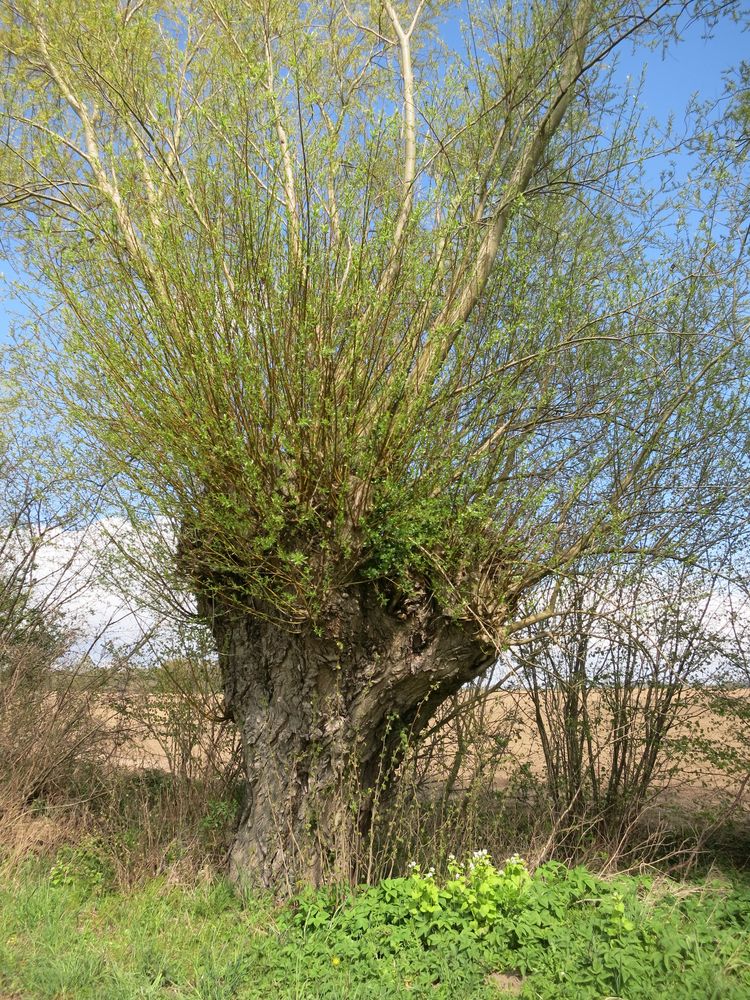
321	717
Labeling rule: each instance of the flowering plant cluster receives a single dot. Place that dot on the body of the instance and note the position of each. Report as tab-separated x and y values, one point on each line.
476	894
566	933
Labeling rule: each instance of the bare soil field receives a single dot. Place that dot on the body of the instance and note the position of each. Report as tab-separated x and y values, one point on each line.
497	738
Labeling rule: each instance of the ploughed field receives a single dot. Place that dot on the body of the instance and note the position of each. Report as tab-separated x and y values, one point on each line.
702	762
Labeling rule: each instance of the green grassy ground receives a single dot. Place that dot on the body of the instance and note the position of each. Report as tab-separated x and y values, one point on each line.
66	932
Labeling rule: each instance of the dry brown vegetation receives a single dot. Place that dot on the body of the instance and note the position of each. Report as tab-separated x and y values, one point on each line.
83	758
144	763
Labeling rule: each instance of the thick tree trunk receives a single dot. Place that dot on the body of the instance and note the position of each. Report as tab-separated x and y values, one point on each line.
321	717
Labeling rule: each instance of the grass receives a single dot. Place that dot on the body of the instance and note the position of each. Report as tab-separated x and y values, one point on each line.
66	932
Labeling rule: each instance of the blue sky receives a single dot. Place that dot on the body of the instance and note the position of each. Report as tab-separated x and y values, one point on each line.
694	66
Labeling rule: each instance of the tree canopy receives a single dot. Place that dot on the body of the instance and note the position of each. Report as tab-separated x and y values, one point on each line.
363	299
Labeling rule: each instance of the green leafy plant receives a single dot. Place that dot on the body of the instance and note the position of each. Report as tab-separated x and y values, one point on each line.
561	933
567	932
83	867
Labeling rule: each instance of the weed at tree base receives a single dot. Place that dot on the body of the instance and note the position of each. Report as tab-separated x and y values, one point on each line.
556	932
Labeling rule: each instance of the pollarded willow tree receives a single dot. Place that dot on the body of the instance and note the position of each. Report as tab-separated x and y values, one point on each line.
375	308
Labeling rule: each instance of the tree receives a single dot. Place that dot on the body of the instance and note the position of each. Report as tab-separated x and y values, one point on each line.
739	112
33	632
386	323
613	679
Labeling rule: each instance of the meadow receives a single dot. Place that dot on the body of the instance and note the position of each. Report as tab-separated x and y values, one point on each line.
119	807
478	933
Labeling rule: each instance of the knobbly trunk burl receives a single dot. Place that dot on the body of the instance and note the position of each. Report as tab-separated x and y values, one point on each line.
321	712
